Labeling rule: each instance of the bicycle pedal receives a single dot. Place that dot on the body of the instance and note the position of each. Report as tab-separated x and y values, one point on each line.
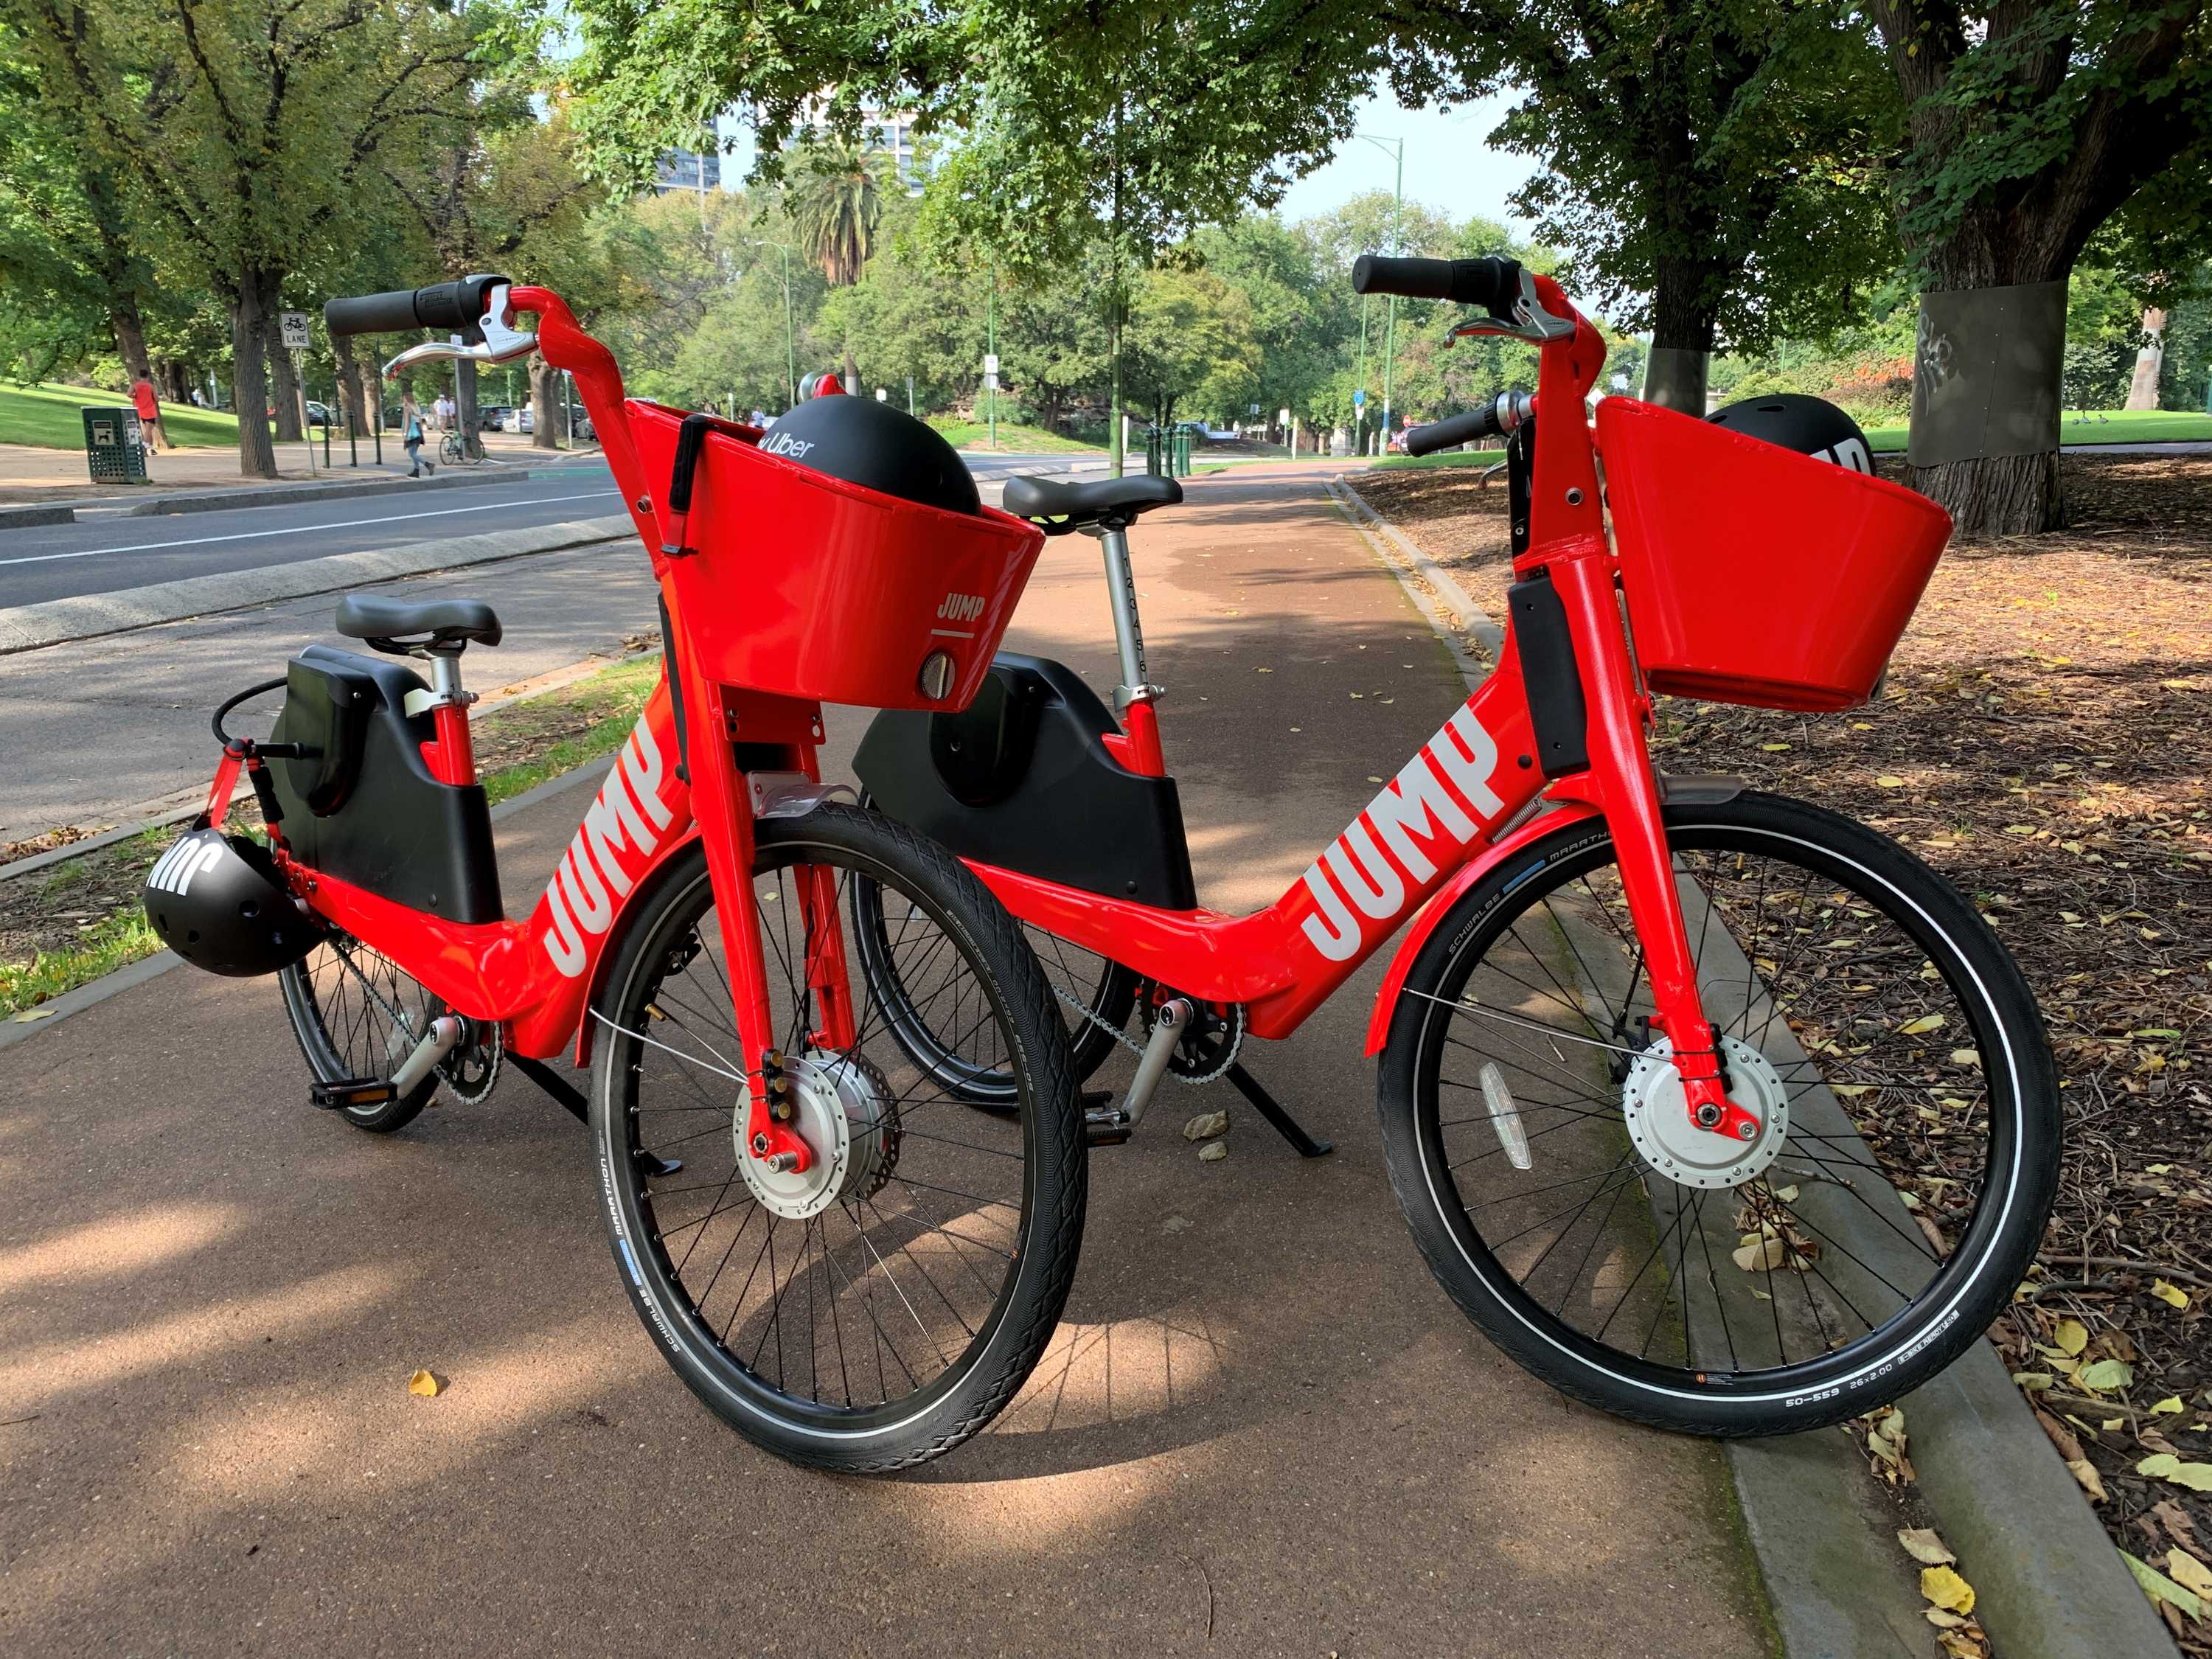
352	1094
1103	1123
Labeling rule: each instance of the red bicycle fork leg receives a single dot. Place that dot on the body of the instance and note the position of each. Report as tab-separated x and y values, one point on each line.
1627	791
826	976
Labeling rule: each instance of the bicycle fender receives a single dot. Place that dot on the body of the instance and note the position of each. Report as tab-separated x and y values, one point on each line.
1542	827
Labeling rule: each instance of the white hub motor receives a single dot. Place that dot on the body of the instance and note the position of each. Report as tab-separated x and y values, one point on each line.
841	1109
1660	1124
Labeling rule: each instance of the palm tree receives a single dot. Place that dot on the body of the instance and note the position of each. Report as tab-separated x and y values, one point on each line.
836	203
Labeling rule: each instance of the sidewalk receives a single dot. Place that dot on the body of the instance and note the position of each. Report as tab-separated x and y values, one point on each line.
31	475
1261	1429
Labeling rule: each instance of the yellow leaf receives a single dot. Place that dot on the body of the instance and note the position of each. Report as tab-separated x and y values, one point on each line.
2186	1571
1959	1645
2172	1295
1947	1590
2157	1586
1887	782
1850	1091
1965	1057
1774	748
2164	1466
1941	1619
2106	1376
2086	1472
2167	1406
422	1383
2070	1336
1921	1544
1762	1255
1919	1027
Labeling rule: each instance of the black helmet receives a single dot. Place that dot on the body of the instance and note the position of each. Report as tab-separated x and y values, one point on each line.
1811	426
882	448
218	902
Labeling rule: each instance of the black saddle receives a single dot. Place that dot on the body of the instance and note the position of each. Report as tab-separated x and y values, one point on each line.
402	625
1060	505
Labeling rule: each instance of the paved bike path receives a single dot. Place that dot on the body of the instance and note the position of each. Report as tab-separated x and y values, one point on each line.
1261	1429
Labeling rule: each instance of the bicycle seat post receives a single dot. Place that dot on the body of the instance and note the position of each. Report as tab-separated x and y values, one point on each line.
1128	635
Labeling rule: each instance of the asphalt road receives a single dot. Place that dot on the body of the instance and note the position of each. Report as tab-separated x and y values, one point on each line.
107	554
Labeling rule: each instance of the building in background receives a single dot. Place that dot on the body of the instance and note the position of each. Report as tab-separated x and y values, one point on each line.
883	131
699	171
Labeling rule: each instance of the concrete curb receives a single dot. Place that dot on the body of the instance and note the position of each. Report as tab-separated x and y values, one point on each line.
56	622
2049	1583
124	979
28	518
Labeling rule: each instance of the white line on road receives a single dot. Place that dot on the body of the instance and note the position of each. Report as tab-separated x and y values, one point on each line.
301	529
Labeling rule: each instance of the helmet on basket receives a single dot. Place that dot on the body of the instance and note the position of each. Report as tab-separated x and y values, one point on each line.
218	902
1811	426
881	448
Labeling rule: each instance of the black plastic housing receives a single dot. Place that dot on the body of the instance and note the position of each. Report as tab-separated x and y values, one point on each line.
395	829
1020	779
1550	676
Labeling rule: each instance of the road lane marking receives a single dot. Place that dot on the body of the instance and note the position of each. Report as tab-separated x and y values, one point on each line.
301	529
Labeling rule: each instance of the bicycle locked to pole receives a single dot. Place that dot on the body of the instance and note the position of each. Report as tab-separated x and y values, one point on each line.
1639	1024
1715	1110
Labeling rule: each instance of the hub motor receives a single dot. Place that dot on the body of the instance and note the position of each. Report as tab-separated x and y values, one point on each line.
842	1109
1659	1120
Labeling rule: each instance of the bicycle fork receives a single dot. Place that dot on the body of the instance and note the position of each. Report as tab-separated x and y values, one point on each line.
1621	784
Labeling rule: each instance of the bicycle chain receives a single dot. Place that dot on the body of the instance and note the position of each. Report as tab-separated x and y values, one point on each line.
401	1020
1235	1044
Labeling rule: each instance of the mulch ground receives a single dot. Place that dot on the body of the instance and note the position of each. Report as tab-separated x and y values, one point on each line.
2042	739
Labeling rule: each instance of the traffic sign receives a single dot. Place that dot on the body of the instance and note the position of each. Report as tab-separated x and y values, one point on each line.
991	380
1255	408
1360	399
991	363
292	329
1282	418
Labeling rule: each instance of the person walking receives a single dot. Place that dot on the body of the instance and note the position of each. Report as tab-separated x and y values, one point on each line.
149	415
410	434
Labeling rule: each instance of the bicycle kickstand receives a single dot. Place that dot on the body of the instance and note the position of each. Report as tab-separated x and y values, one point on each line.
1269	1108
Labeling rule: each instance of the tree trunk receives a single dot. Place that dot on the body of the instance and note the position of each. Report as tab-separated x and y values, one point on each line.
464	407
350	401
2142	390
1684	314
284	391
545	403
172	380
1116	313
249	373
130	337
852	375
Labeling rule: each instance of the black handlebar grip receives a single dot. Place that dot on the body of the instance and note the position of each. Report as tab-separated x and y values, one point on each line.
450	305
1453	430
1492	283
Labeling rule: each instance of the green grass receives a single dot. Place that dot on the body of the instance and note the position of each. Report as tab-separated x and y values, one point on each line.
2148	426
46	416
1012	440
1449	458
114	941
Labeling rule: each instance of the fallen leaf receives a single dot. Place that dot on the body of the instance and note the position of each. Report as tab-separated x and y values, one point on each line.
1959	1644
1762	1255
2167	1406
1887	782
1942	1620
30	1014
2086	1473
2157	1586
422	1383
2106	1376
1921	1544
2071	1336
2164	1466
2172	1295
2032	1382
2186	1571
1921	1026
1774	748
1947	1590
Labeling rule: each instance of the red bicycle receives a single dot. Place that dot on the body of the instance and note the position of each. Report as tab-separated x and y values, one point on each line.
849	1274
1715	1110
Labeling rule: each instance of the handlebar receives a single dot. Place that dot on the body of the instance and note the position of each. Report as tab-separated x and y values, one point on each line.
1503	414
458	305
1492	283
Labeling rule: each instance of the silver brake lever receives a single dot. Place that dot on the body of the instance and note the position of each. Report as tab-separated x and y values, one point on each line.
1529	322
503	342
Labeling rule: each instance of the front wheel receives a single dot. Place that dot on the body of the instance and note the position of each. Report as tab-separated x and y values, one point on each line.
1539	1145
876	1309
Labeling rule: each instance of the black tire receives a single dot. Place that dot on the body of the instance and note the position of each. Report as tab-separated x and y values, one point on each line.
1016	1185
1531	945
341	998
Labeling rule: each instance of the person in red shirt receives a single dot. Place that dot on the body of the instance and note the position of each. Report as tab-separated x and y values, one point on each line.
149	414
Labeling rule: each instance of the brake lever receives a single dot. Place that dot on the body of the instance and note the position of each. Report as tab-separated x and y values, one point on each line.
1529	322
503	342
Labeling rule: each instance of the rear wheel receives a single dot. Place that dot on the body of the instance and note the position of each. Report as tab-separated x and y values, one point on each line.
877	1308
1867	1235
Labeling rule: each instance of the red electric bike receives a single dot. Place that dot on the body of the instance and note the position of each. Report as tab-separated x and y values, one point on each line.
848	1270
1717	1110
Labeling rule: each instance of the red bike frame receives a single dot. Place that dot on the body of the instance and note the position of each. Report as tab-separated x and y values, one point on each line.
1455	812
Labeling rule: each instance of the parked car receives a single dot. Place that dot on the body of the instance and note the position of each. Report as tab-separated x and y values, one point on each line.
518	420
492	418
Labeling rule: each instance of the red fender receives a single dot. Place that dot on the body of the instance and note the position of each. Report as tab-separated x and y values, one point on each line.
1544	824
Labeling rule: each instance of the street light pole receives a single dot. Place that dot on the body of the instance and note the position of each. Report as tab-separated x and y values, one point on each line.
1397	147
790	352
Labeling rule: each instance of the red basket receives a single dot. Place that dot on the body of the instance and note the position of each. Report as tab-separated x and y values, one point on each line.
808	586
1755	574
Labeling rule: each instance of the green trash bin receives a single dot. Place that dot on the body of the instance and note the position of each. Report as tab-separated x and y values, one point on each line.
113	446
